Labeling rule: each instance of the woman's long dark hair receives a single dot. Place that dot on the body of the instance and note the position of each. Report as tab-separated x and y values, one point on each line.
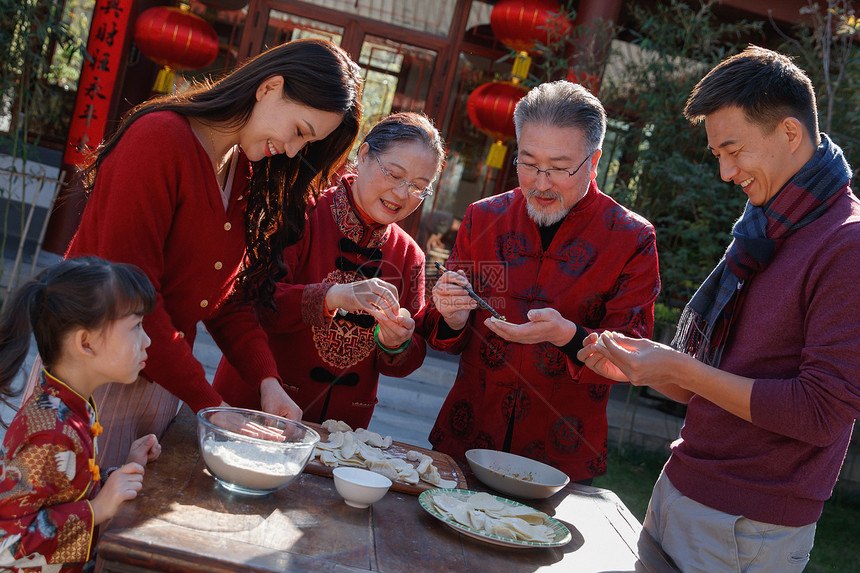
317	74
87	292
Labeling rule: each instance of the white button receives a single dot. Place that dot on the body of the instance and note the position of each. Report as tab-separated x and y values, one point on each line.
181	334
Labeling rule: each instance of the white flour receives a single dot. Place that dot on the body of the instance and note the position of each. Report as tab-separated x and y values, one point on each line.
248	465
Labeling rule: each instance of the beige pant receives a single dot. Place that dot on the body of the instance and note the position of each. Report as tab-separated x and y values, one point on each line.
700	539
126	412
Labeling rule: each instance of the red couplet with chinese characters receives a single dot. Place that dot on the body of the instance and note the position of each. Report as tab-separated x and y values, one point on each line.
108	33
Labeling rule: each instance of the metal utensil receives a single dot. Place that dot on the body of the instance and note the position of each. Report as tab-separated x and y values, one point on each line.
481	302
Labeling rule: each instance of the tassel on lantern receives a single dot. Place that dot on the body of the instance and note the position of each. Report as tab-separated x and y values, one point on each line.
164	81
496	156
521	66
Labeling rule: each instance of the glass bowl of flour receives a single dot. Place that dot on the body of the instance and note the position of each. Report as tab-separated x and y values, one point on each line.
253	453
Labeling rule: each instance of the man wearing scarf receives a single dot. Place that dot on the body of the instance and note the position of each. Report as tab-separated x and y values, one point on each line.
766	353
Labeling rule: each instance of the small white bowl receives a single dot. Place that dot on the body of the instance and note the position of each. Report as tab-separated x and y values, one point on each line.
359	487
516	475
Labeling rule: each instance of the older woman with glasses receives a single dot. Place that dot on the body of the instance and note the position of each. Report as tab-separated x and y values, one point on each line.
343	314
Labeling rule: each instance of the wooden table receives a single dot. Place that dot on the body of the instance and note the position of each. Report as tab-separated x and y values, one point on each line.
183	521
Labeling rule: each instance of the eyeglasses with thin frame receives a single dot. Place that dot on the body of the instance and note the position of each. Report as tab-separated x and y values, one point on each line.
554	174
413	189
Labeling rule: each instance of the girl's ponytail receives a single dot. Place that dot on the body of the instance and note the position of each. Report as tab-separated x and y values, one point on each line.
21	309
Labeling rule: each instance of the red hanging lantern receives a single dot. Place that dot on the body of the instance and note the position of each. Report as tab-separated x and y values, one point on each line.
491	108
176	39
518	24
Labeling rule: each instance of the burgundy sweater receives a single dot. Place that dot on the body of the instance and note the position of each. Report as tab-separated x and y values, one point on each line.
156	204
798	335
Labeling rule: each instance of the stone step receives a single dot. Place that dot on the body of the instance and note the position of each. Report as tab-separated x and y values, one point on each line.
439	372
411	395
401	427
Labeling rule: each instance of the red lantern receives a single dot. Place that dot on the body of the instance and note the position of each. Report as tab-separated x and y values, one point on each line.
176	39
518	24
491	109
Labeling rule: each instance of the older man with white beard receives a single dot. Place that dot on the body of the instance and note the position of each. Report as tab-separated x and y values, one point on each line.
559	260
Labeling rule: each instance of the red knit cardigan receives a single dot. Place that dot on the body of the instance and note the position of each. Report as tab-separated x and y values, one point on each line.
156	204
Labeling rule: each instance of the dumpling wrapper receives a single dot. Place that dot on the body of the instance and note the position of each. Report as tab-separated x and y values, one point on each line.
445	503
385	468
363	448
478	519
369	438
468	512
336	426
461	515
484	501
522	512
526	531
502	530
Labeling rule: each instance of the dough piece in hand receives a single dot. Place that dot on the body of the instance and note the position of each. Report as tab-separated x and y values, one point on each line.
404	313
601	340
502	320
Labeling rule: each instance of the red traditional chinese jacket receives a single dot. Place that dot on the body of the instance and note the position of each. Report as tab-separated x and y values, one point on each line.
600	271
331	365
47	480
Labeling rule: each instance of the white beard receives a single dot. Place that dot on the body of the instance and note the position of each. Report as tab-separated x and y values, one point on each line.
543	218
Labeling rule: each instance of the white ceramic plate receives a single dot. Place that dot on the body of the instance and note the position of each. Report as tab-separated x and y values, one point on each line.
515	475
561	533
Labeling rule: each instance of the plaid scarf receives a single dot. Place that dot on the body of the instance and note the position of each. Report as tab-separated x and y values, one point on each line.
757	235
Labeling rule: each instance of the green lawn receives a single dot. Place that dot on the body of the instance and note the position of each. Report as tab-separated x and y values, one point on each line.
631	476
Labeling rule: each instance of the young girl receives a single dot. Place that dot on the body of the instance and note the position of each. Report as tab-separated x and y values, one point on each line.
86	317
337	327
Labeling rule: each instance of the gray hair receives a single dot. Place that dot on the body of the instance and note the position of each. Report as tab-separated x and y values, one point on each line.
563	104
403	127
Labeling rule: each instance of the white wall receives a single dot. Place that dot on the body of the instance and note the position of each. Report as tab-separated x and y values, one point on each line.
32	179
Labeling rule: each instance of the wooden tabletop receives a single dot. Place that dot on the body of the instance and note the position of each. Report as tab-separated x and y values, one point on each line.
183	521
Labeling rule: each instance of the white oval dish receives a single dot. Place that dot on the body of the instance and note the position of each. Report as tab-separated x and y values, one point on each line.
516	475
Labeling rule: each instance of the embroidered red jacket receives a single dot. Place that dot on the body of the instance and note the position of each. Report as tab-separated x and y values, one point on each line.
47	482
600	271
331	366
